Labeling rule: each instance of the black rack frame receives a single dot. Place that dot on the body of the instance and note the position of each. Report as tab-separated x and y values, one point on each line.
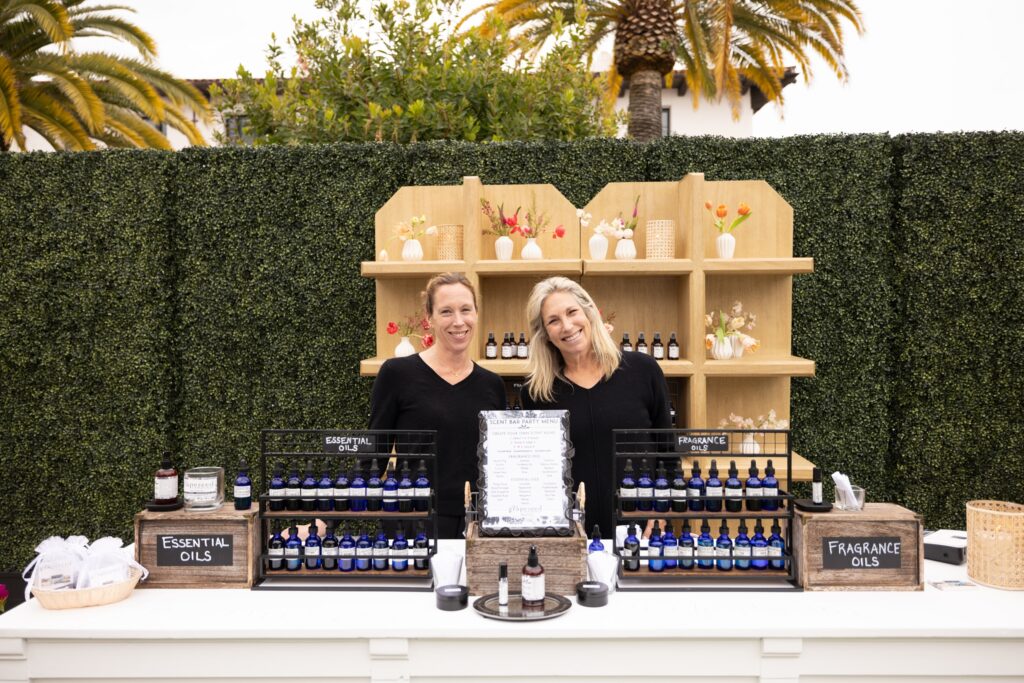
302	445
659	445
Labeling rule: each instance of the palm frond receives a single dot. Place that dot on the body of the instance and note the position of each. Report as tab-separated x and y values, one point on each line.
50	17
52	120
10	105
130	125
77	90
126	80
109	26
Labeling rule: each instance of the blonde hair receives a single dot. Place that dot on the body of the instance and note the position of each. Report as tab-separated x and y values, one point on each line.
441	280
546	362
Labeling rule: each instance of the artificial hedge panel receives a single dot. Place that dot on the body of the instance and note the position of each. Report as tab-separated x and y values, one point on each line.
188	300
959	409
839	188
84	342
274	316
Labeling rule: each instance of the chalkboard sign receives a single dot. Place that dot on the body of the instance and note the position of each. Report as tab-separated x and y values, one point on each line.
703	443
857	552
350	442
188	550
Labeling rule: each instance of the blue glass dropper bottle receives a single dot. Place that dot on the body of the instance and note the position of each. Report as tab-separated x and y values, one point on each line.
627	488
341	492
733	490
669	547
293	490
759	547
400	549
243	487
325	492
695	489
405	489
357	491
705	547
346	552
741	547
776	547
723	548
309	489
678	491
686	546
329	549
662	492
364	551
753	489
374	491
655	563
421	547
276	489
631	550
595	544
312	550
713	489
390	492
769	489
275	548
381	552
644	488
421	489
293	549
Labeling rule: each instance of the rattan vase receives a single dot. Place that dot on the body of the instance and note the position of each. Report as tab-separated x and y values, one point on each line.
995	543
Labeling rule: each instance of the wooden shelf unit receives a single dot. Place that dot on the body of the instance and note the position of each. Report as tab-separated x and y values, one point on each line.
665	295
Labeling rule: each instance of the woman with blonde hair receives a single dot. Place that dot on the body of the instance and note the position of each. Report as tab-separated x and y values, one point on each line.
576	366
442	389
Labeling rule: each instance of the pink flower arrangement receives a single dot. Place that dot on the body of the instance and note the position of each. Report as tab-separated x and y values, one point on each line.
411	327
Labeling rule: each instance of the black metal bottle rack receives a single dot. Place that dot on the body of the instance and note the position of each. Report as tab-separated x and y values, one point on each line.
674	448
294	448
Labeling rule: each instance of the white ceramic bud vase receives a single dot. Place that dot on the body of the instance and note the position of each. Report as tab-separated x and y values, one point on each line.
725	245
531	250
625	250
737	346
598	247
503	248
404	348
750	446
721	349
412	250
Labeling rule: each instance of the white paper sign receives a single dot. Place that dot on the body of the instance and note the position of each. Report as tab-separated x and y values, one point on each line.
524	468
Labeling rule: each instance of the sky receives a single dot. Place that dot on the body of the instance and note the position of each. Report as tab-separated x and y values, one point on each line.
921	65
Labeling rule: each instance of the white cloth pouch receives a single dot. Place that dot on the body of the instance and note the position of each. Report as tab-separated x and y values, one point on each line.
107	562
57	564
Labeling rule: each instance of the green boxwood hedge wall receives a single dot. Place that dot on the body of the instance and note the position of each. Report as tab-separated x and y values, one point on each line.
185	301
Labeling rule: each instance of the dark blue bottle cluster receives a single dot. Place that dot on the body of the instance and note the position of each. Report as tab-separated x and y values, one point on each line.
705	551
361	549
639	492
366	488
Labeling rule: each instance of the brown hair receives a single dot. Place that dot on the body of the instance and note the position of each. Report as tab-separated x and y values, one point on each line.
440	281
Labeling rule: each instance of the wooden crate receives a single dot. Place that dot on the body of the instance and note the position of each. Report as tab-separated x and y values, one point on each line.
564	559
182	549
849	551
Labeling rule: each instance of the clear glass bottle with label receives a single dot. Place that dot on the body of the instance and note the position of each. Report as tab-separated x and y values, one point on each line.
533	581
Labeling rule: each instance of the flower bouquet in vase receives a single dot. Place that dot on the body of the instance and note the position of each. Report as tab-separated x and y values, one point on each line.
727	338
409	234
623	230
750	445
414	326
501	226
535	225
725	243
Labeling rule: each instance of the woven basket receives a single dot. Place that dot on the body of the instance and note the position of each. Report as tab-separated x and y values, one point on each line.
995	543
449	242
88	597
661	240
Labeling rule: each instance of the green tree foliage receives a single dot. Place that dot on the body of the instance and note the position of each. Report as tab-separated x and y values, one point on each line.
82	100
415	80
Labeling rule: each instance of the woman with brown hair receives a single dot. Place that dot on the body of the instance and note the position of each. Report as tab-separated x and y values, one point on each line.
442	389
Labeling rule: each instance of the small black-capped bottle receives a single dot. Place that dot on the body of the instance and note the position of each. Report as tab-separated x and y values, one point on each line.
491	350
673	348
641	343
657	348
165	482
627	488
626	345
507	351
243	487
533	591
308	489
672	412
522	349
374	488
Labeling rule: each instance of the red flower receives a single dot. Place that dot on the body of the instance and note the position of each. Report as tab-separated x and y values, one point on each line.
743	210
392	328
559	232
428	341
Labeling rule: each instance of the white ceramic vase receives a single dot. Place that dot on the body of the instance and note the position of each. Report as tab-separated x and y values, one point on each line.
404	348
531	250
725	245
721	349
598	247
412	250
625	250
503	248
750	446
737	346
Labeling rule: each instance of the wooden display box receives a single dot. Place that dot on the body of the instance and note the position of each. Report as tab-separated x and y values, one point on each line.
182	549
564	559
878	548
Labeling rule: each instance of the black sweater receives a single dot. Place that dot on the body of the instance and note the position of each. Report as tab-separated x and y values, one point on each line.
636	397
407	394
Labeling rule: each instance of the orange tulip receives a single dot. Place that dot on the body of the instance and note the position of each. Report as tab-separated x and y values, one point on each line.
743	210
722	212
707	205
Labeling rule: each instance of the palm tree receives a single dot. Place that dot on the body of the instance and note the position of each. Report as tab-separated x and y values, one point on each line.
719	43
79	100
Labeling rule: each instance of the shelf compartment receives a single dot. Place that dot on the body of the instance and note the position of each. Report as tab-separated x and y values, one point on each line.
760	365
540	267
400	269
636	267
760	266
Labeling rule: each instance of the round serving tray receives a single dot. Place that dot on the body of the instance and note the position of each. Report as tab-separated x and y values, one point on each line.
554	605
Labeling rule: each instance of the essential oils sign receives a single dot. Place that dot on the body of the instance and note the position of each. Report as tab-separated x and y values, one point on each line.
845	552
350	443
194	550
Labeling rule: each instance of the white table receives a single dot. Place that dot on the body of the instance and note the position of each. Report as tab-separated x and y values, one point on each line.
230	636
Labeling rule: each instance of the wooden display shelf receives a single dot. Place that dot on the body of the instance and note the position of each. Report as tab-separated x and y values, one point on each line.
320	573
677	368
803	468
759	266
335	514
642	515
637	267
757	365
712	574
505	368
544	266
419	269
369	367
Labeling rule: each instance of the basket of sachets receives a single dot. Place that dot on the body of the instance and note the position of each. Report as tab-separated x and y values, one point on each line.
71	572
